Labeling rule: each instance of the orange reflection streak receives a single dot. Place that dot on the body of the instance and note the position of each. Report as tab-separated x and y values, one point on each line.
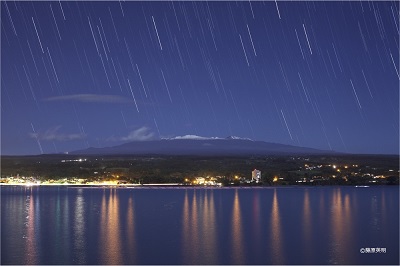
276	231
321	204
208	229
237	234
103	225
110	230
31	252
341	219
347	212
256	216
186	237
346	241
131	231
337	232
194	230
307	225
79	228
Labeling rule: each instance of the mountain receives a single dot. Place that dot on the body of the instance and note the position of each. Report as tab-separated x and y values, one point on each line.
195	145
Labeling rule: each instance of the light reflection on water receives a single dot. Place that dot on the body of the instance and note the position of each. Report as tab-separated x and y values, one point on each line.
110	249
277	246
199	228
186	234
338	225
130	221
203	226
65	227
237	232
256	216
194	235
209	228
307	226
31	252
79	228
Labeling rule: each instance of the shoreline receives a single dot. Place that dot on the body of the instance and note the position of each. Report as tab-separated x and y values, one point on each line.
180	186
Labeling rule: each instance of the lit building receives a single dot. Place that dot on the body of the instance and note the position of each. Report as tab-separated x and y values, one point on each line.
200	180
256	175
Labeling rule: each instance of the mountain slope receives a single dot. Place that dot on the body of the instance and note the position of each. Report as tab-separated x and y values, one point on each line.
230	146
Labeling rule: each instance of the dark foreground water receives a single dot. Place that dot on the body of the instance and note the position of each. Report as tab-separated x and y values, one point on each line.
294	225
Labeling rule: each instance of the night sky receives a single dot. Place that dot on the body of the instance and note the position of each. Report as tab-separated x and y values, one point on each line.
92	74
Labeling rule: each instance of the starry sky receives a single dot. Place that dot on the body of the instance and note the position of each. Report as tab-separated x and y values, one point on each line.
78	74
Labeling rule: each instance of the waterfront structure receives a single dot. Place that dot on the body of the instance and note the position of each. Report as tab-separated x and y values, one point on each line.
256	176
200	180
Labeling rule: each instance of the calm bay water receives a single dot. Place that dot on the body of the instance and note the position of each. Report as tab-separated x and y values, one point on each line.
293	225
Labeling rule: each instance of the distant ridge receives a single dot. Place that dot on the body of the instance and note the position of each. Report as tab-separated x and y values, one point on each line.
196	145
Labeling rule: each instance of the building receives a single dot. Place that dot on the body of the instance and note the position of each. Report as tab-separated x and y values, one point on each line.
256	176
200	180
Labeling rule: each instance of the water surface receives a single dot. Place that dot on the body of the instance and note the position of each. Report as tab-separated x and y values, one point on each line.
293	225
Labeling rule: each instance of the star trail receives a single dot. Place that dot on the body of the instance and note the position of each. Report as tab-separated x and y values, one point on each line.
78	74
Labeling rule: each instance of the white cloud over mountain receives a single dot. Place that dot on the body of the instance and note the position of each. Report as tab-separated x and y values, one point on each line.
140	134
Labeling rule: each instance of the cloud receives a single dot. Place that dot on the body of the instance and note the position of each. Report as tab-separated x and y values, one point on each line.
90	98
140	134
52	134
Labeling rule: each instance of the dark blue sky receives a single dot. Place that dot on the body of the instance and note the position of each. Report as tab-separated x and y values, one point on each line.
315	74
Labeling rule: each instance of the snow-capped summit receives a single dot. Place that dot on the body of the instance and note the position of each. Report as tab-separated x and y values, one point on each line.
195	137
237	138
192	137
